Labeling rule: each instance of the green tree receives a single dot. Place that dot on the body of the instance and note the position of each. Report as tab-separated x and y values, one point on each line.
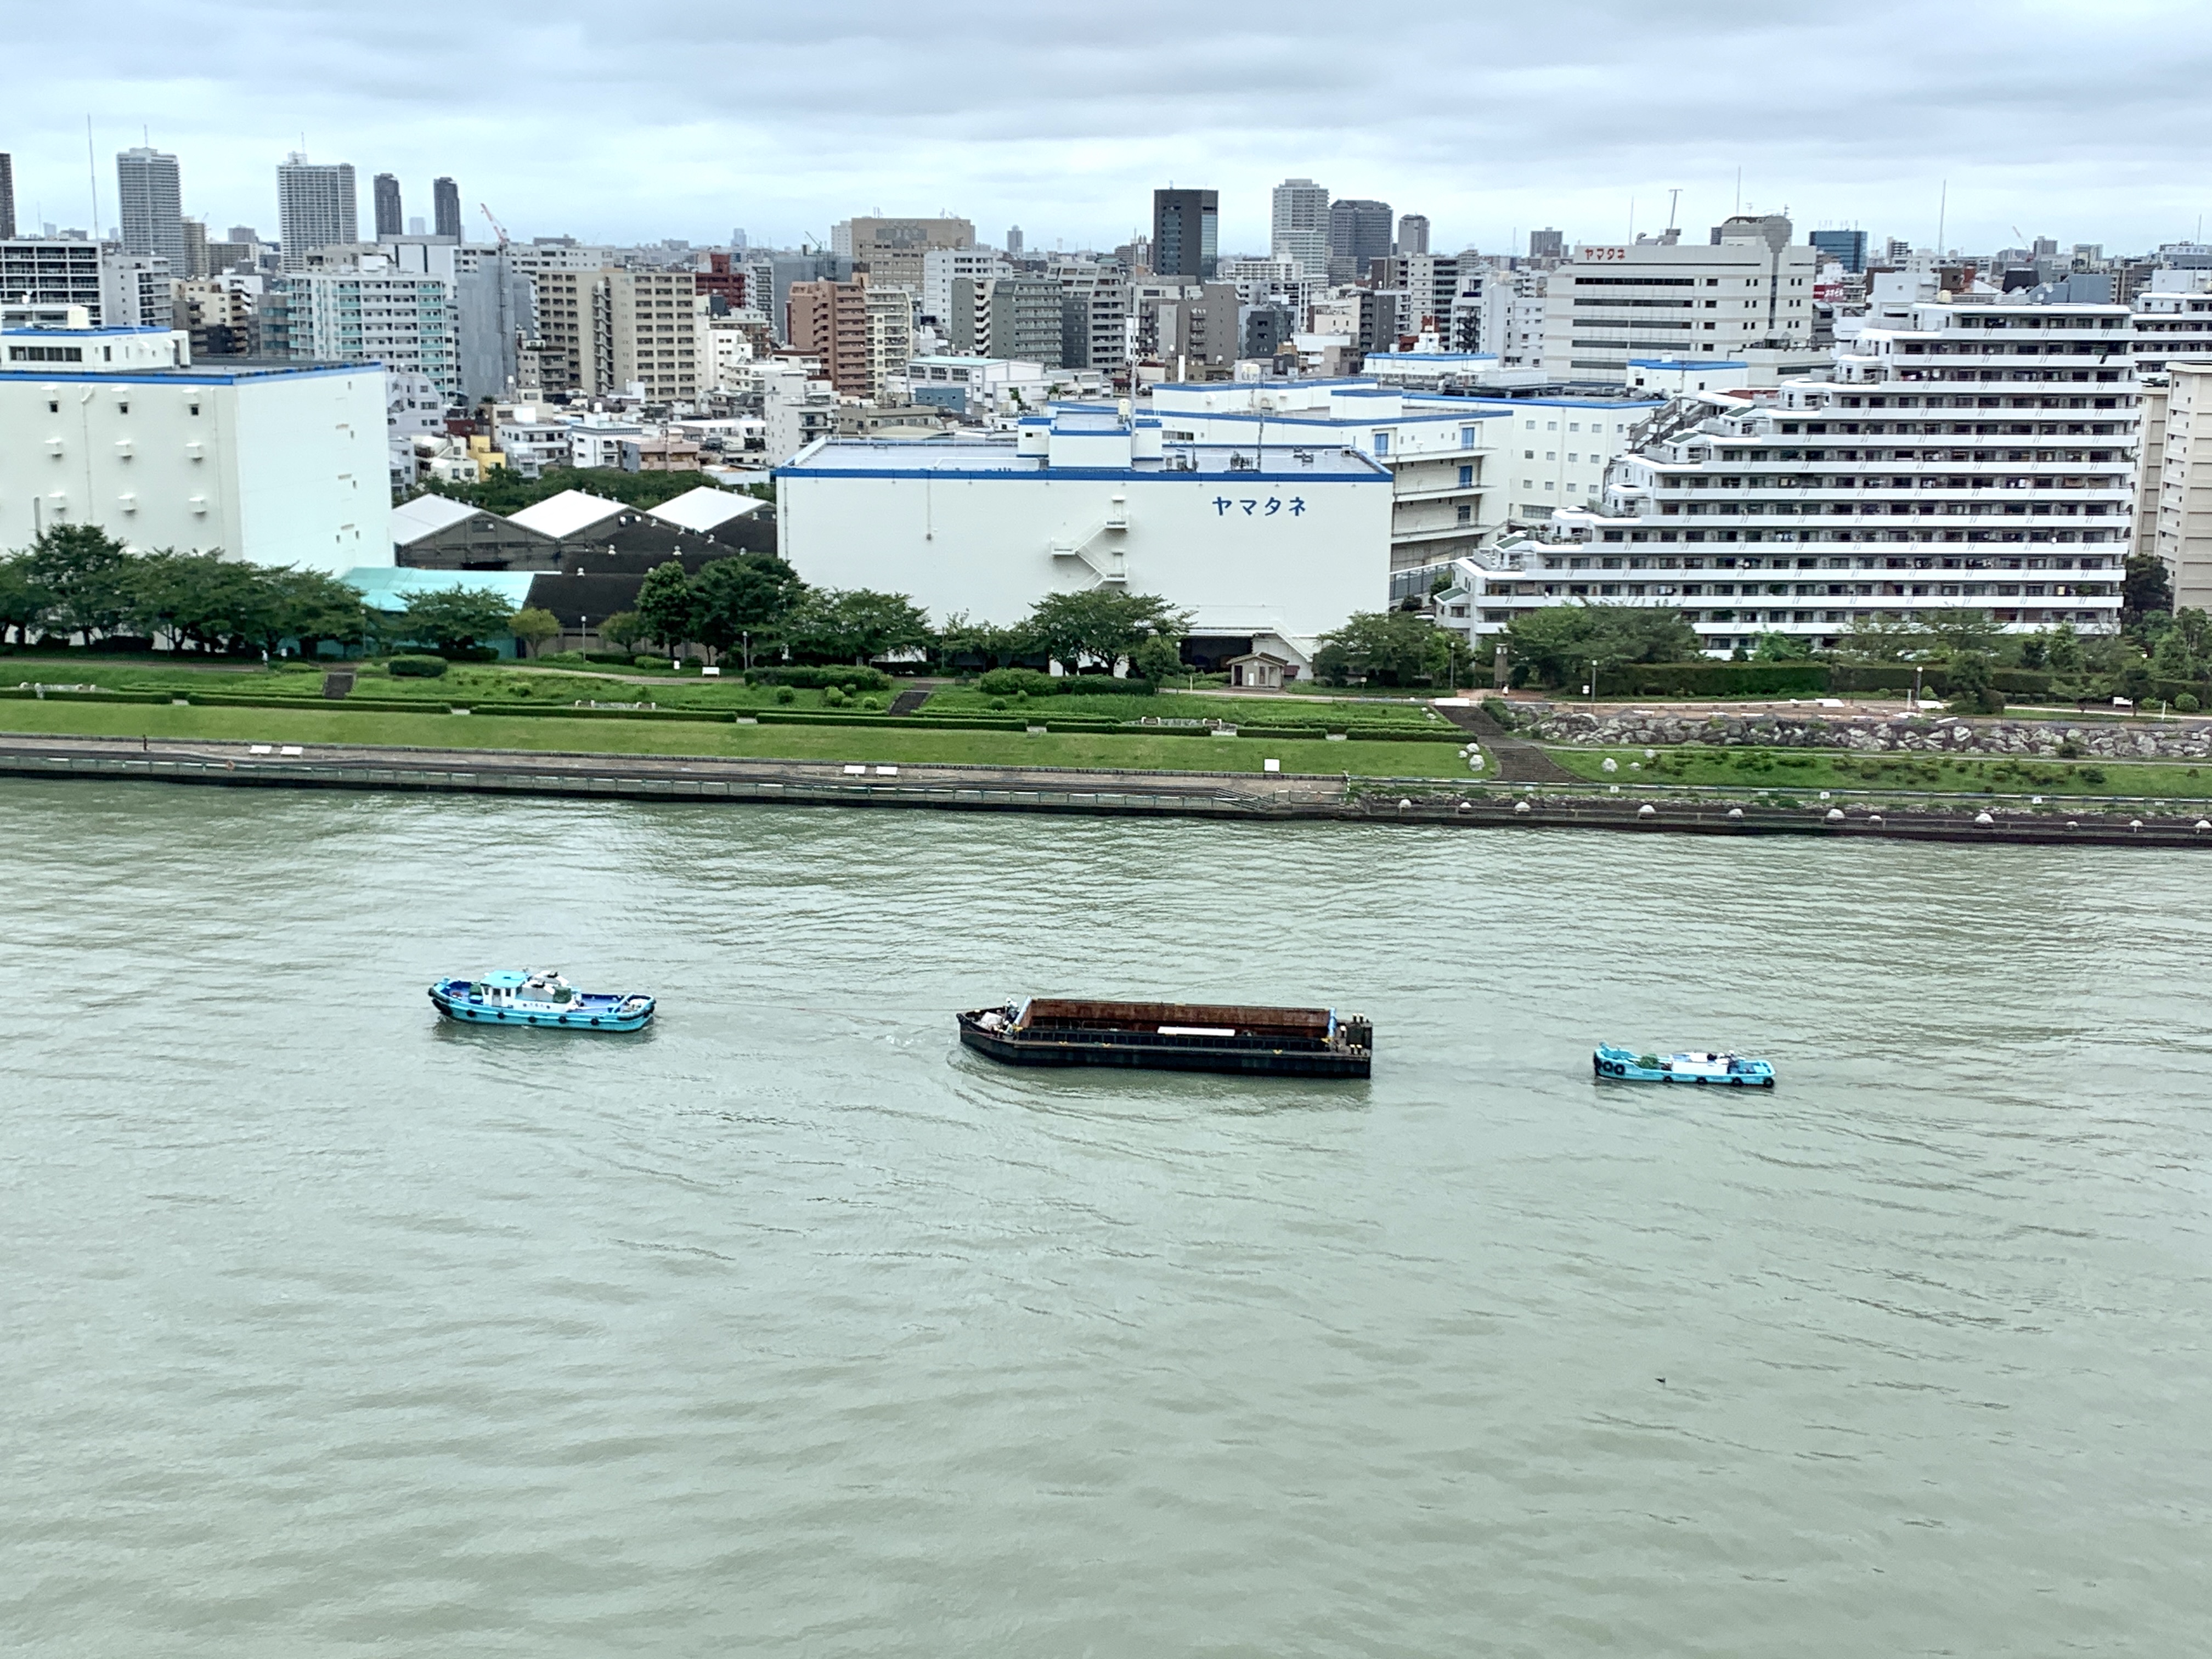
745	601
1874	640
532	626
2063	649
2172	660
1100	625
1962	633
83	570
1157	658
668	605
23	601
1396	647
1972	689
999	648
624	629
1556	645
856	625
457	618
1782	647
2146	589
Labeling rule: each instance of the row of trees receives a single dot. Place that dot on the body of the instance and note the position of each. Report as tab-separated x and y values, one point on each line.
755	605
77	581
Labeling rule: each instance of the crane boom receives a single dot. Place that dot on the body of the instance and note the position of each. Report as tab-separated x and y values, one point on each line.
486	210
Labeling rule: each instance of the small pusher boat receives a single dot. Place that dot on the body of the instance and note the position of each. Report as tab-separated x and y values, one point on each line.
1174	1036
543	998
1724	1071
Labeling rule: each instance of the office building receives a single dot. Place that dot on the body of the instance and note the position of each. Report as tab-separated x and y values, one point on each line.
1358	235
1847	247
7	197
1185	234
1013	242
389	218
1778	518
1754	289
1547	245
445	208
1412	233
149	205
1267	548
114	427
1299	233
317	207
891	251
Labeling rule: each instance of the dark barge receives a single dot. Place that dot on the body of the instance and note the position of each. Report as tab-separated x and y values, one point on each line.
1174	1036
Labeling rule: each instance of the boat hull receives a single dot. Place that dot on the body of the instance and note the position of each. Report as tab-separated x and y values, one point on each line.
1143	1051
623	1016
1613	1064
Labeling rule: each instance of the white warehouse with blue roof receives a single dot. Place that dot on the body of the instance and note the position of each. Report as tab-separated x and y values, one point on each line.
275	463
1274	540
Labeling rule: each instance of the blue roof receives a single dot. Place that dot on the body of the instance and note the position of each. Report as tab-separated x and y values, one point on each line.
1686	362
1432	357
870	458
388	586
506	979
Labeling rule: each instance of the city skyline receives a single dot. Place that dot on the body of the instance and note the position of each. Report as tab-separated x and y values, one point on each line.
1588	121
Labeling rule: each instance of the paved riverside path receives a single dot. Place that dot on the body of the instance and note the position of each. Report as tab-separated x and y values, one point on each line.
1234	796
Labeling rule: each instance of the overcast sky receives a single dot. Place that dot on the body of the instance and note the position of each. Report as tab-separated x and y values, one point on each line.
2087	121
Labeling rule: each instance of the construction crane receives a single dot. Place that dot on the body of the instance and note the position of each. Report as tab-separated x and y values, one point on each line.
485	210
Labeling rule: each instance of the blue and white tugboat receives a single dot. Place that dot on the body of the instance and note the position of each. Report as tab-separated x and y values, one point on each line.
543	998
1705	1070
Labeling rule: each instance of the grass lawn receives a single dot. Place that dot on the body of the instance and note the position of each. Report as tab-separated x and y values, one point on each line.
1759	770
1182	706
462	682
325	725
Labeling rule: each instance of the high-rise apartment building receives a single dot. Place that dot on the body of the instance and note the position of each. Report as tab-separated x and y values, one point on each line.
1185	234
1613	303
827	321
2176	506
390	220
1300	226
57	273
1358	235
400	308
890	337
1013	242
149	205
195	248
601	330
1413	232
317	206
446	206
1094	310
1967	457
942	266
1025	319
7	197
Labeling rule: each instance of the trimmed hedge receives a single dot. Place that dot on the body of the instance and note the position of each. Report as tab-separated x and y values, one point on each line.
1031	682
416	668
1714	679
817	679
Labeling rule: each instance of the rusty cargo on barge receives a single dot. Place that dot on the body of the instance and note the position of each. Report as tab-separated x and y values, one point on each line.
1174	1036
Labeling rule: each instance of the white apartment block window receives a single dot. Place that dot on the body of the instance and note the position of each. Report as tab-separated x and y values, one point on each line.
1381	443
1467	437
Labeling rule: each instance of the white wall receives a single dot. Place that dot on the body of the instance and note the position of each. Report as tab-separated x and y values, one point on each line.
982	543
278	469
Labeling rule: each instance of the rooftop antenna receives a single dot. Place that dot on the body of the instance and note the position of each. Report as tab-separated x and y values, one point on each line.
1673	199
91	171
1739	191
1942	212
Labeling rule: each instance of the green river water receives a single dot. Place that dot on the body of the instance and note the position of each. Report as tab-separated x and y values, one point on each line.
791	1328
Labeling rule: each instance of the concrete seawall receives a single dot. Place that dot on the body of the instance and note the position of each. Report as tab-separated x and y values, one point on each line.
1236	797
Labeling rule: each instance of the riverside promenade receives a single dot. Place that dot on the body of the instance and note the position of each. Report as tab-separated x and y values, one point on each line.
1238	796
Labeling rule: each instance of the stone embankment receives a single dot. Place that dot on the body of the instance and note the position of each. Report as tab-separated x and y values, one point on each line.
1868	734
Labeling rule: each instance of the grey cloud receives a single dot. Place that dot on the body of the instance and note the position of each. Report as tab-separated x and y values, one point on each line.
2084	121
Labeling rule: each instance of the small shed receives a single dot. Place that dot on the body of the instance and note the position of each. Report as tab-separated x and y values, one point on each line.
1258	670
